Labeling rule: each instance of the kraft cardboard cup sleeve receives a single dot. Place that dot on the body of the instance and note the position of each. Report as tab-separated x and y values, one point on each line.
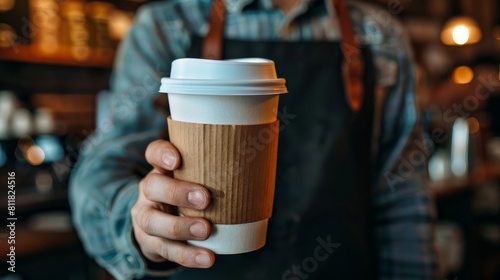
224	124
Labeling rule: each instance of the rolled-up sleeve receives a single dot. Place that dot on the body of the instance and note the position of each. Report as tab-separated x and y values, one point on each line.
401	198
104	183
103	189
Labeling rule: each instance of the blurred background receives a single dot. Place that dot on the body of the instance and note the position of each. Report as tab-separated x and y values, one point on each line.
56	58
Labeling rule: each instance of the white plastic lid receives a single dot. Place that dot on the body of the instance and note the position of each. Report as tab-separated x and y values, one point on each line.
247	76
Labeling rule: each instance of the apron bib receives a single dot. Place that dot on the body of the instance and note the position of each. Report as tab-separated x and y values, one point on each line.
322	195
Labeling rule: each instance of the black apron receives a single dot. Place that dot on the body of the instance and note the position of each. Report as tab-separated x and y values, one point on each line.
321	226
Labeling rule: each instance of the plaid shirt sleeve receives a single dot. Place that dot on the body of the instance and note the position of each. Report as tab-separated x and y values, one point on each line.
104	184
401	199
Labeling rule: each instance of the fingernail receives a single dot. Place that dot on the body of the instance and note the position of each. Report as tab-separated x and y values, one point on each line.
196	198
169	158
198	230
202	259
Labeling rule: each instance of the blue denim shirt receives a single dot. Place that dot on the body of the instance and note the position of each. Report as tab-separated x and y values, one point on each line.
104	184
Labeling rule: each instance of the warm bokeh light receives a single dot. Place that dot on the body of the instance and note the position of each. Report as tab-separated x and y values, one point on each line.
7	36
119	24
35	155
460	35
461	31
474	125
6	5
463	75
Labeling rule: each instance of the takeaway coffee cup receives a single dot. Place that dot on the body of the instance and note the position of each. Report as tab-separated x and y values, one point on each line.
224	124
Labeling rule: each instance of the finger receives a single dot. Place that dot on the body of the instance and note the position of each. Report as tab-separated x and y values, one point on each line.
160	188
183	254
163	155
157	223
159	249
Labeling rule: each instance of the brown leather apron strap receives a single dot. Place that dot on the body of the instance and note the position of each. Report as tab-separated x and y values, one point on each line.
213	42
353	64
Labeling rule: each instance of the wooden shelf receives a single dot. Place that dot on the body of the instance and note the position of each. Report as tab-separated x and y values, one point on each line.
34	201
475	179
30	242
27	54
30	202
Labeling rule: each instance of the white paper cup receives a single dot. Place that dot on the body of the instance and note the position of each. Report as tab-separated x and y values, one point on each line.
226	92
241	91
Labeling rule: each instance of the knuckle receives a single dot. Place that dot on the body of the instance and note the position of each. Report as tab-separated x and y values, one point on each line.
145	221
148	184
184	257
165	251
175	229
172	193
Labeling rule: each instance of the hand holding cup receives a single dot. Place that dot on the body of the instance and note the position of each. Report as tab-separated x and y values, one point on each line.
159	231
